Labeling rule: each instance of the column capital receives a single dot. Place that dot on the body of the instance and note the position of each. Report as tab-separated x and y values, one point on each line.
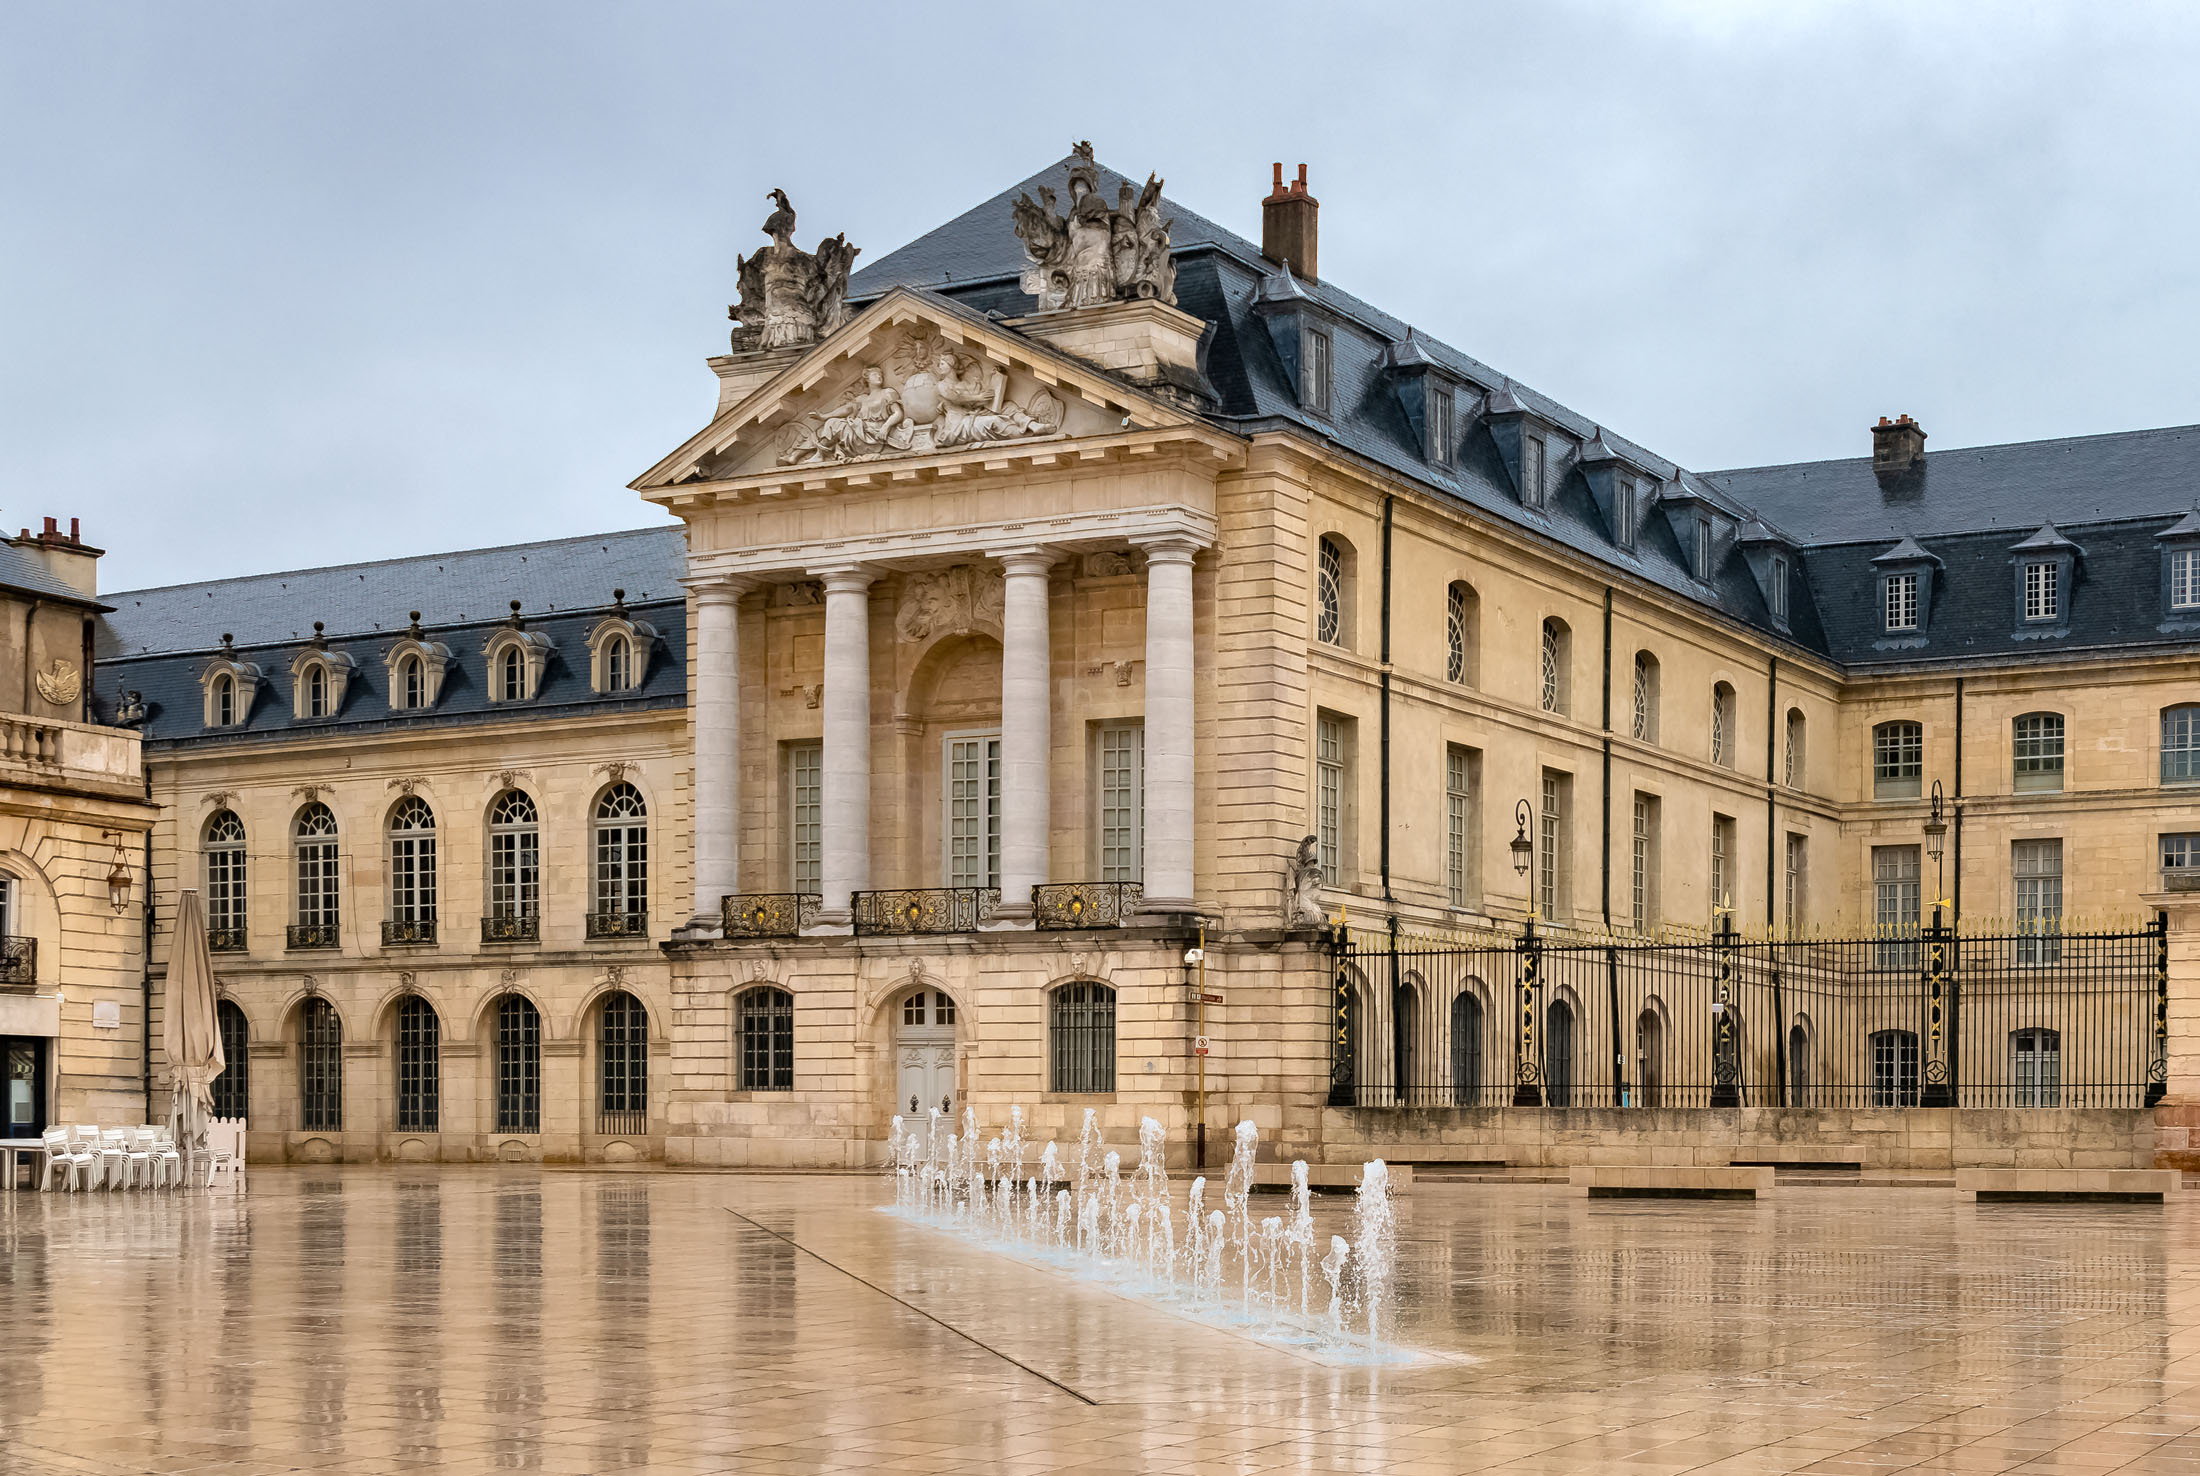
1169	548
844	578
1029	558
712	588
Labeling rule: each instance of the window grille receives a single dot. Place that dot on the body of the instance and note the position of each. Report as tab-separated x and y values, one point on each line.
315	842
2184	579
1894	1068
1122	802
2037	866
1901	611
416	684
1317	355
419	1066
805	816
2039	751
1456	633
1897	899
412	861
622	1051
1558	1054
233	1088
1898	760
1458	821
1329	593
225	702
1779	589
1641	908
1082	1035
1795	883
1792	770
622	853
519	1066
320	1067
1646	697
618	665
1532	459
1548	862
766	1029
515	856
316	691
2041	597
2181	744
1722	725
512	682
1554	666
225	880
973	794
2035	1068
1329	797
1466	1050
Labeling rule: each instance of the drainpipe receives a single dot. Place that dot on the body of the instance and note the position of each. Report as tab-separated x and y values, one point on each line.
1955	899
30	620
1604	882
1772	874
145	983
1389	509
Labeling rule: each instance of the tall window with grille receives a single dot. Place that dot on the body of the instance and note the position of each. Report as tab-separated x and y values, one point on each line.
973	801
1329	592
1081	1038
2184	579
1776	589
1898	760
1646	697
2037	866
2180	854
1551	859
622	863
320	1067
1901	602
413	680
412	867
618	664
419	1066
2035	1067
764	1035
1724	866
316	691
2181	744
225	702
1625	494
1121	754
511	675
2039	752
1643	865
622	1064
1459	633
805	817
1723	736
1314	386
515	858
519	1066
313	839
1792	770
1894	1068
1896	905
225	883
233	1088
1704	546
1330	796
1459	776
1440	411
1795	885
2042	596
1557	657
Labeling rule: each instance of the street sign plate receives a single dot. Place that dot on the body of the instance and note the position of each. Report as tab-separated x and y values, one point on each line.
1210	997
1199	1045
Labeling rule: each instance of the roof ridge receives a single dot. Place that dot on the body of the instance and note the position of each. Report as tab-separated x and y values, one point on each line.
2152	430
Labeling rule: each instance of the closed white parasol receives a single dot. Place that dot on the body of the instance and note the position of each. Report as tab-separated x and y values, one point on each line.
191	1036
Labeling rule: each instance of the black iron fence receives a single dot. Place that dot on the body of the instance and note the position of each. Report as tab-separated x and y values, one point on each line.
1929	1017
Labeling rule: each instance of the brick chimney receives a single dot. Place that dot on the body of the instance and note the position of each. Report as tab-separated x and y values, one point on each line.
1898	446
1288	228
66	556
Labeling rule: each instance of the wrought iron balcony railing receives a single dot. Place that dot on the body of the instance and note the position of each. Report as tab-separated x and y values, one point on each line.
397	933
767	914
225	940
517	927
312	935
924	910
1085	904
618	925
18	963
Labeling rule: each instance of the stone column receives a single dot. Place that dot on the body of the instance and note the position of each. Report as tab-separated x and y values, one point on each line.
845	864
1168	820
1027	692
2177	1114
717	748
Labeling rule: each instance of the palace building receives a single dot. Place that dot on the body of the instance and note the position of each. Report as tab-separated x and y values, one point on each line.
1073	617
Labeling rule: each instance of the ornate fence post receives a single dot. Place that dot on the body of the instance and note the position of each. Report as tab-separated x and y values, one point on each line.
1939	1080
1726	1056
1528	1049
2158	1061
1341	1043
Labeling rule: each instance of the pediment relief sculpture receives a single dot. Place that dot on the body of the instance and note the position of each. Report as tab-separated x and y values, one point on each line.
1095	253
790	297
950	602
929	396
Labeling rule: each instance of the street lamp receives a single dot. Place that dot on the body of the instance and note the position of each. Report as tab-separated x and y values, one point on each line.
118	875
1523	849
1936	840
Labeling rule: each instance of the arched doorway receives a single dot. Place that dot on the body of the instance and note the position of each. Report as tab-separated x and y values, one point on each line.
1650	1057
924	1054
1466	1049
1558	1054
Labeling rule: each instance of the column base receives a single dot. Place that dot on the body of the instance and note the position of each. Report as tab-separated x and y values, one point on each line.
1007	916
1167	906
831	922
701	928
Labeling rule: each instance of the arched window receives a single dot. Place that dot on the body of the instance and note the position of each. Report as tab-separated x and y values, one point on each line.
621	865
1894	1068
1799	1066
320	1067
2038	751
412	873
414	675
511	675
1405	1042
1332	613
316	690
764	1023
1558	656
1792	772
618	664
313	841
2181	744
233	1088
1558	1054
1722	725
1646	697
1462	609
2035	1068
1081	1038
1466	1049
519	1066
622	1055
225	883
1898	760
1650	1058
225	701
515	869
419	1066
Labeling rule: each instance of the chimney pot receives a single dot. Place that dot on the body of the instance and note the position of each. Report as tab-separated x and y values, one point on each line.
1289	220
1898	446
74	536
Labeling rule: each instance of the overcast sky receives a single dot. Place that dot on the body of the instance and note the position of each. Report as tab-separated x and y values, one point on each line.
284	285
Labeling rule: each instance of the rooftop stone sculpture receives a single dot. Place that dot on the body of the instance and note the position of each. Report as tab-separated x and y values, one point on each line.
790	297
1095	253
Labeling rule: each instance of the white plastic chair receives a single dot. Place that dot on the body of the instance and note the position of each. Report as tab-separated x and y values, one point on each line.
225	1153
75	1164
167	1162
85	1139
137	1148
114	1150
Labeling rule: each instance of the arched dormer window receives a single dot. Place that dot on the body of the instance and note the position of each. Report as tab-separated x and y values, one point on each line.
416	666
1333	591
228	685
517	658
618	650
318	677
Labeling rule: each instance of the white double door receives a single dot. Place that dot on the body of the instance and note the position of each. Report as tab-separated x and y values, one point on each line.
924	1048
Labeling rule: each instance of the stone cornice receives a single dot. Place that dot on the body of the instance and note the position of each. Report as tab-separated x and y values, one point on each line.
1070	532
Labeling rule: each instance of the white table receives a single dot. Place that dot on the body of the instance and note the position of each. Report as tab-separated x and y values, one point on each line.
10	1151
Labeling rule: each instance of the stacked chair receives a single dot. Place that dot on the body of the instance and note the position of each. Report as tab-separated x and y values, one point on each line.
87	1158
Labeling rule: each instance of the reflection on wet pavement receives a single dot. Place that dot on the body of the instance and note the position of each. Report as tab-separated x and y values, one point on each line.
394	1319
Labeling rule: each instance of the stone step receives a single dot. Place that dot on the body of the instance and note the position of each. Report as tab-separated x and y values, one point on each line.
1654	1181
2043	1185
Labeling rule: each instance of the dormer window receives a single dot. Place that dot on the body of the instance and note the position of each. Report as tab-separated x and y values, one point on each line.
516	659
1532	490
2041	595
511	676
225	701
416	666
1314	372
1703	550
318	677
1440	411
228	685
618	663
2184	579
1778	594
316	691
619	650
413	682
1901	605
1626	511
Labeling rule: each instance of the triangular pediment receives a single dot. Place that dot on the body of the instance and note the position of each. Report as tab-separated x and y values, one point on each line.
913	377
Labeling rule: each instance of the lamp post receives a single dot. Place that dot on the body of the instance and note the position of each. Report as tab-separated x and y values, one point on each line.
1936	841
1943	1048
1523	848
1528	1055
118	875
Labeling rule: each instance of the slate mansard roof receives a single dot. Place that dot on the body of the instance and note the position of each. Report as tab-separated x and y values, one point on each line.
157	642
